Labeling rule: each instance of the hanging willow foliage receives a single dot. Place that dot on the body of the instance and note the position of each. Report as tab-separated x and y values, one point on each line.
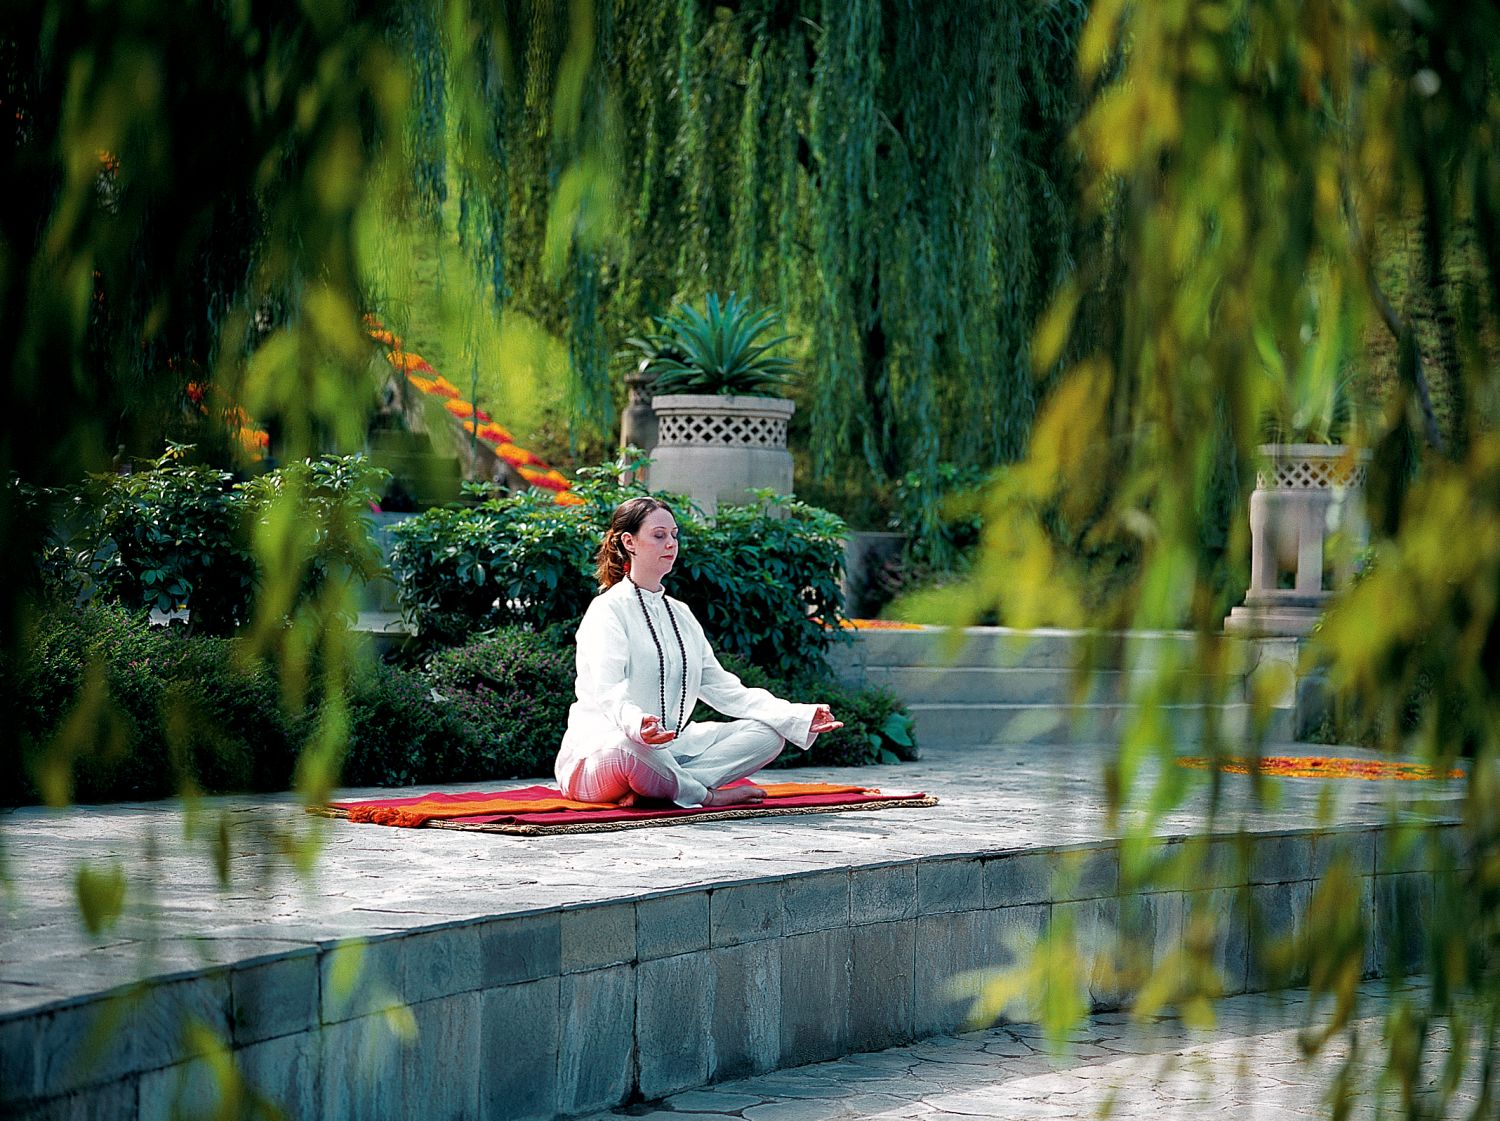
895	177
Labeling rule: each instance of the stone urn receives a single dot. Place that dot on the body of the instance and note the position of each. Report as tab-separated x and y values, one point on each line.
718	449
1304	495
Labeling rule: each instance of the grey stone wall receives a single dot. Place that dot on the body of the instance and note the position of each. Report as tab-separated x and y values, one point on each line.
572	1010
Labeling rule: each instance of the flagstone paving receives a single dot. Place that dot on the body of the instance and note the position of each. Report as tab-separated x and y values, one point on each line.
181	914
1247	1066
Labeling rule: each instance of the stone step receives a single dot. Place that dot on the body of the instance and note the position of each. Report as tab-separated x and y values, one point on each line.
988	685
1136	1067
969	723
1015	649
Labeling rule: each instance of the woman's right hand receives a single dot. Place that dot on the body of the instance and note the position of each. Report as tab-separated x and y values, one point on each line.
653	733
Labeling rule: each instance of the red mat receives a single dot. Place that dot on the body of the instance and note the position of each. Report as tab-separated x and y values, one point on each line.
539	810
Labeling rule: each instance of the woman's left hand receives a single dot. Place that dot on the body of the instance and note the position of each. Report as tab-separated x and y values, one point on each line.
823	720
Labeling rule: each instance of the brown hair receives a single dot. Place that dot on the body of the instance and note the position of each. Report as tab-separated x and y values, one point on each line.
609	561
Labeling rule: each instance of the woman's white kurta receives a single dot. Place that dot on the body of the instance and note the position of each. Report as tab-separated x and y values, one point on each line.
619	682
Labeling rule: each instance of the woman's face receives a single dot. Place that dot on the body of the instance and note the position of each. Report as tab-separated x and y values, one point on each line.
653	548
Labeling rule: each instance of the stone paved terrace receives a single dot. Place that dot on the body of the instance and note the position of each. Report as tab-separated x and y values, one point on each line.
558	975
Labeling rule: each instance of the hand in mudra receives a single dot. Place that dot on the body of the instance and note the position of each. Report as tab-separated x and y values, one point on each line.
823	720
653	733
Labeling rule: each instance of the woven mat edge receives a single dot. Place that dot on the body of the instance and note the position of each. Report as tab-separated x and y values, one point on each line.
526	830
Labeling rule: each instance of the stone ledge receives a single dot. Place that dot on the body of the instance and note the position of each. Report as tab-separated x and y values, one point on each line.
699	984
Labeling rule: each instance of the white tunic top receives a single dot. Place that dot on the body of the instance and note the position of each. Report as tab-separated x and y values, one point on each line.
619	681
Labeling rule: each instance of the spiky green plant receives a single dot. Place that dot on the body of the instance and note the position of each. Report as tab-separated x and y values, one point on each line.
717	350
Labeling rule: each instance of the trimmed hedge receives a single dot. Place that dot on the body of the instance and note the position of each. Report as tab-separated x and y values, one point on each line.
109	707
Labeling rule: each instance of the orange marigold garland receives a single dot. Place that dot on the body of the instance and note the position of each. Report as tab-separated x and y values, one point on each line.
421	375
1320	766
254	441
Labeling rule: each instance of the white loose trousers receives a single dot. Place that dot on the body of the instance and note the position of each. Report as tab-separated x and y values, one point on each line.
740	748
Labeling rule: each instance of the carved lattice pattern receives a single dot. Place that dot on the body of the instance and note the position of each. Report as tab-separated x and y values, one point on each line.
695	430
1311	474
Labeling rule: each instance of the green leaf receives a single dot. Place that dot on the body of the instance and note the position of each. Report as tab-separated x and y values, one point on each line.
897	729
101	896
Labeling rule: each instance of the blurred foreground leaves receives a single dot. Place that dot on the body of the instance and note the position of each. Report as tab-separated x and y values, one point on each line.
1252	164
197	191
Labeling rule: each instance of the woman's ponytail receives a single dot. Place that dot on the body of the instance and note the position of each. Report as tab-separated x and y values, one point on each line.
609	561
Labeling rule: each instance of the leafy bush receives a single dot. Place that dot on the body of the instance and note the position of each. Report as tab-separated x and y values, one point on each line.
179	534
109	707
321	507
512	692
399	734
136	711
170	536
506	562
763	579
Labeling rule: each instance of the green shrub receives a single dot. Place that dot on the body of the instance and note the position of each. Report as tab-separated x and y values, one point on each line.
227	728
512	692
764	582
399	734
763	579
170	536
321	508
179	534
507	562
109	707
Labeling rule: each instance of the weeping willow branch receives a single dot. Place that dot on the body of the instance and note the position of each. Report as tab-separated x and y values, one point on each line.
898	179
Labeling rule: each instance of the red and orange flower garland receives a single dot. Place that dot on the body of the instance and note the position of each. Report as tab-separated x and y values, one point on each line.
254	440
1320	766
420	374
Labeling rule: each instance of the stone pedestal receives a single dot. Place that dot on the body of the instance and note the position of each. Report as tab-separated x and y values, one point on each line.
718	449
638	425
1304	494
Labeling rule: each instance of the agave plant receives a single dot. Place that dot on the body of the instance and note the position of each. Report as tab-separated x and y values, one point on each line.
716	351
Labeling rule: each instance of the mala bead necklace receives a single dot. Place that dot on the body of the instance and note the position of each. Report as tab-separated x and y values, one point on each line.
661	657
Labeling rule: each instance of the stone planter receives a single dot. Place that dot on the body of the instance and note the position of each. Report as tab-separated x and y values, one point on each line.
717	449
1304	494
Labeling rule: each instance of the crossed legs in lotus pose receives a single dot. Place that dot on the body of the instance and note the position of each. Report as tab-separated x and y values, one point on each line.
626	771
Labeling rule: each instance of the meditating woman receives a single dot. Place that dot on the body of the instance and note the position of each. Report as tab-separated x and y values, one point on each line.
643	663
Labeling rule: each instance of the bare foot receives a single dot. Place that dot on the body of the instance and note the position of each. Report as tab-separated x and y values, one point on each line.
629	800
736	796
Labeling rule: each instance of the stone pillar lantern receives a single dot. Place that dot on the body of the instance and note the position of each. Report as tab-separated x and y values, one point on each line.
1304	493
638	427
